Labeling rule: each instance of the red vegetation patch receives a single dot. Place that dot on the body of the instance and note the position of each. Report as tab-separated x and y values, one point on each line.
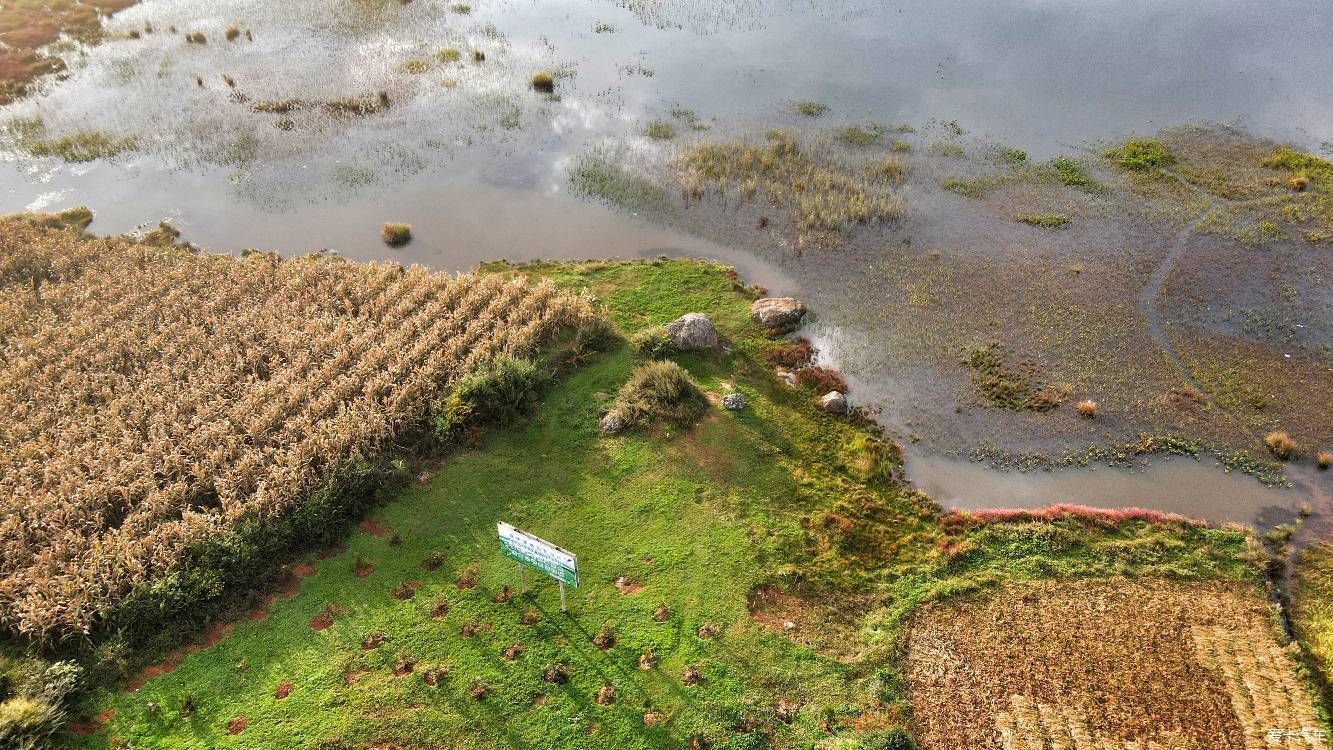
468	578
512	651
504	595
166	666
403	667
324	620
440	609
93	725
374	528
210	637
821	379
433	561
289	586
435	676
405	590
304	569
372	641
529	617
362	568
1062	511
333	551
791	355
284	690
237	725
469	629
261	613
625	586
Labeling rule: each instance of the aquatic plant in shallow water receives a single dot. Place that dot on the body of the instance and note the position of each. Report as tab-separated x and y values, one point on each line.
822	194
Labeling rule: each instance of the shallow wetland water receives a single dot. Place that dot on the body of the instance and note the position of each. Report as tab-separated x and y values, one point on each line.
236	143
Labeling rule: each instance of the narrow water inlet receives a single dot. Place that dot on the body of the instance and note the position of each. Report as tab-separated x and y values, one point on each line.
1193	488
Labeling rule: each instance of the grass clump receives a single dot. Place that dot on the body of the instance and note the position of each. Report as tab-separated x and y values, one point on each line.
1324	459
1280	444
1006	386
822	194
596	175
856	135
1071	172
1141	155
81	147
461	8
1012	156
1087	408
417	66
890	168
653	341
543	82
660	130
947	149
659	392
232	34
395	234
449	55
1044	221
968	188
812	108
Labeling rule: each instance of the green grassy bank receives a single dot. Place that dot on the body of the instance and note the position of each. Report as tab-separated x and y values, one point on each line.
782	529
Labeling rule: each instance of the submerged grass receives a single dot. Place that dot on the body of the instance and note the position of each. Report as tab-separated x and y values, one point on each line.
822	194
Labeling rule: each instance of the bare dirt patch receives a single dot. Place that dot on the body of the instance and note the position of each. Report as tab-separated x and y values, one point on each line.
625	586
1103	663
374	528
324	620
289	586
237	725
93	725
304	569
284	690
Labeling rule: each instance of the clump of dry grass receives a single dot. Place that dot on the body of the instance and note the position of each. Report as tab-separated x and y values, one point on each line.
233	33
289	372
543	81
1280	444
1087	408
1324	459
395	234
657	392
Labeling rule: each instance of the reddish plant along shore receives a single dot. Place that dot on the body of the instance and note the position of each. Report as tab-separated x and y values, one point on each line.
1059	511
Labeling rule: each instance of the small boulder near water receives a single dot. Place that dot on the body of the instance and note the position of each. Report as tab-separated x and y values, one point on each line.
734	401
693	332
778	313
833	402
611	424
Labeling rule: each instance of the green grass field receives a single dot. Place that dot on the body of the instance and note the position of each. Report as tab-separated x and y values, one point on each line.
776	506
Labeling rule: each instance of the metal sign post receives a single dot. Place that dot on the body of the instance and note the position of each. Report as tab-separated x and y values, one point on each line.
531	551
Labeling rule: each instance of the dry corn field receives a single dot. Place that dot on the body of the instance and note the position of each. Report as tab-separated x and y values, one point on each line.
151	398
1108	665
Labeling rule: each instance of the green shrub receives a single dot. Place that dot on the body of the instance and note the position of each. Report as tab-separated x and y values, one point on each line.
31	700
896	738
659	392
1141	155
654	342
502	391
1044	221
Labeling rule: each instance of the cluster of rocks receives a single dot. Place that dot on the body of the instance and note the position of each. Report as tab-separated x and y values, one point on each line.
780	315
695	332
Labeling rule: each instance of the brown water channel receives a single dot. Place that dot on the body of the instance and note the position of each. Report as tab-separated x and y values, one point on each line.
478	163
